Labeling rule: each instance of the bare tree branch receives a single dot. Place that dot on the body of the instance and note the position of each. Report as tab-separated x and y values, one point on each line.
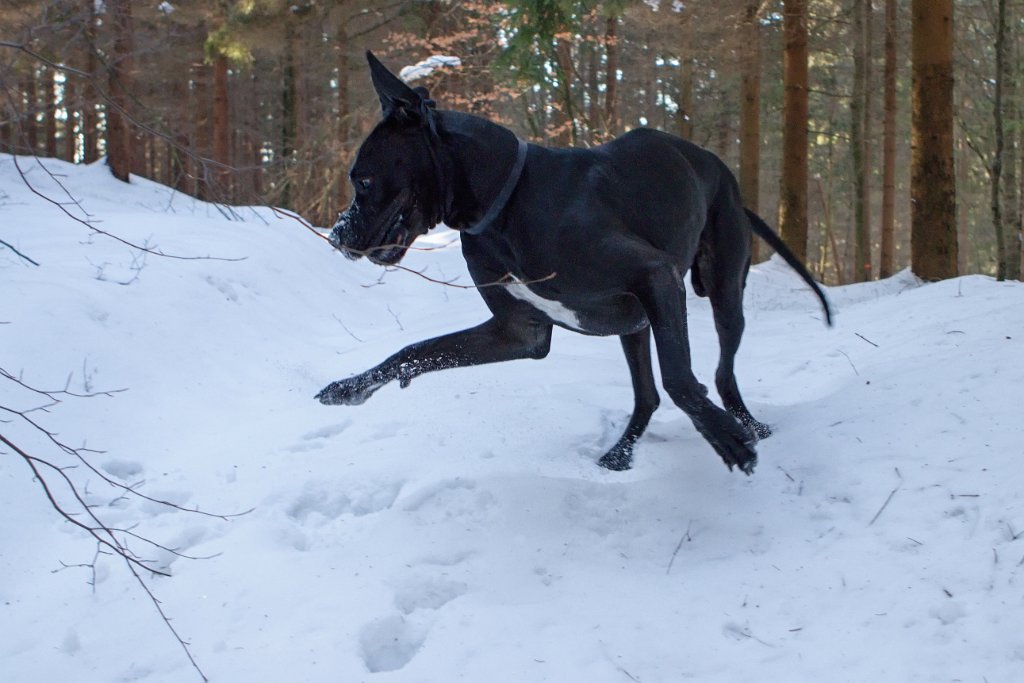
503	281
18	253
69	501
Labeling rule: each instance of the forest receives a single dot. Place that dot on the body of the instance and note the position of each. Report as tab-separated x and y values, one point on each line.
265	102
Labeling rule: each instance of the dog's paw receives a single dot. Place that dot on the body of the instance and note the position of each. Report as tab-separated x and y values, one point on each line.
348	392
759	429
617	459
732	441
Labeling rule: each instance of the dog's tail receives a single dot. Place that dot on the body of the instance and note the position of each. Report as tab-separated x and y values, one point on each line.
764	231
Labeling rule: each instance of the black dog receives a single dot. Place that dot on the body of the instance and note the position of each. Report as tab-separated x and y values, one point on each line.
593	240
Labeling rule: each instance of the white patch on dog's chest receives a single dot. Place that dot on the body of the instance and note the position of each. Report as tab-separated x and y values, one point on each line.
552	309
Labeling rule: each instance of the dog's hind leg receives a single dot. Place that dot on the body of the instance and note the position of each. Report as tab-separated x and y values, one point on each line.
637	347
723	279
665	303
727	307
496	340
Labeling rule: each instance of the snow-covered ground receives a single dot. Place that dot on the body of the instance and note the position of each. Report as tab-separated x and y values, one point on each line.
459	529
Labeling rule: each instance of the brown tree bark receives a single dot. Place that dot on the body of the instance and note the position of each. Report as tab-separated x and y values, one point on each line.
29	125
963	224
887	258
119	133
611	83
90	119
565	120
221	128
49	112
344	114
933	185
865	272
1009	198
70	102
684	121
793	193
996	167
933	182
750	117
201	122
859	142
289	110
6	132
595	129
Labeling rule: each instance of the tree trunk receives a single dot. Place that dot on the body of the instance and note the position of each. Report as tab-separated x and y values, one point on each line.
565	133
184	178
865	272
90	119
793	193
1011	214
750	117
70	101
685	115
201	114
30	129
344	113
6	132
251	141
996	168
611	83
933	183
221	128
887	259
119	133
963	224
859	114
289	111
49	112
178	170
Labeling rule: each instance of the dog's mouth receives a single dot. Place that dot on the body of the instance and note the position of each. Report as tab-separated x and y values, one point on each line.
394	242
392	238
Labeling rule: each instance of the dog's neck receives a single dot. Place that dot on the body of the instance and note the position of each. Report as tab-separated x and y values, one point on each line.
482	156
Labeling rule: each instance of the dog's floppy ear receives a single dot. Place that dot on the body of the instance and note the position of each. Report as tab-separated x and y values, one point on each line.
393	93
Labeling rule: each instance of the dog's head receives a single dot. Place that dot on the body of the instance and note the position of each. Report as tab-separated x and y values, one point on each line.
398	191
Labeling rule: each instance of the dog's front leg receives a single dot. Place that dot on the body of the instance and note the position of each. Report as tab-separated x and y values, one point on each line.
665	303
491	342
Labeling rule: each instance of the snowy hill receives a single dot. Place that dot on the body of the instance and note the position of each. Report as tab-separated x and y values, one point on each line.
460	529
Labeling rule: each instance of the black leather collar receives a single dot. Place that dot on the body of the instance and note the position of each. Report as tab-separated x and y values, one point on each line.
506	191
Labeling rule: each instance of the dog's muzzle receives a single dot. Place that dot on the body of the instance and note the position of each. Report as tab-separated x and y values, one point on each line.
341	236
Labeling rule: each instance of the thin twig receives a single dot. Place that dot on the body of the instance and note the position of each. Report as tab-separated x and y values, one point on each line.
503	281
850	362
884	505
88	222
18	253
685	538
866	339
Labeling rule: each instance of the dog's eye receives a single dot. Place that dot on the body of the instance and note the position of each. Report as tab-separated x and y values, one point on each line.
364	183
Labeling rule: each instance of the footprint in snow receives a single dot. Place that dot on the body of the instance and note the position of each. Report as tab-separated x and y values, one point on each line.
124	470
430	593
450	499
322	503
223	286
388	644
317	439
327	432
